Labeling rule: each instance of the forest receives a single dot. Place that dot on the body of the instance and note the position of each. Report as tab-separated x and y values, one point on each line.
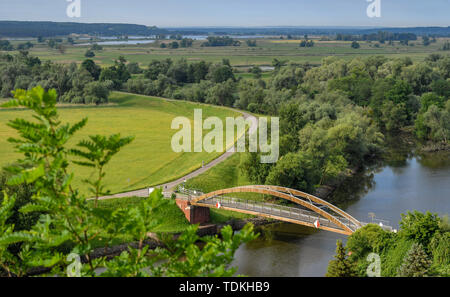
50	29
333	117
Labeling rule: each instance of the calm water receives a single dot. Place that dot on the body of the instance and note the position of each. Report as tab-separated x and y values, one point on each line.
406	182
118	42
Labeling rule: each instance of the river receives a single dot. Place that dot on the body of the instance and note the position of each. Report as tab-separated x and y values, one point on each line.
403	181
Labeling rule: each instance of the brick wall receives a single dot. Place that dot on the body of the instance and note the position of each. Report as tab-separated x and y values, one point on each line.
194	214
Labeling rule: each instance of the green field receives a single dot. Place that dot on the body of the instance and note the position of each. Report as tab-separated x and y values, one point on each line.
263	54
149	159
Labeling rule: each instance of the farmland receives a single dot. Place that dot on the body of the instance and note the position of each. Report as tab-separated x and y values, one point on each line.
266	50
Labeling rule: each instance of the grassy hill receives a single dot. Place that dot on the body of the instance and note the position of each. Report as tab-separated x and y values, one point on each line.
149	160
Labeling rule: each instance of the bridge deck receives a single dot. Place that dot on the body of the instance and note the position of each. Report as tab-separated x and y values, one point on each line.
285	213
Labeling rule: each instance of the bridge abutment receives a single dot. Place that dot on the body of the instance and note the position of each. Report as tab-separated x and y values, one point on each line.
194	214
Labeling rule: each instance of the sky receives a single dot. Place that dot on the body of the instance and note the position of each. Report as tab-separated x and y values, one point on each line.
237	13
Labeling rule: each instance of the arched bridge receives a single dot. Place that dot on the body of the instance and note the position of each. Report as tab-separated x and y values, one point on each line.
308	210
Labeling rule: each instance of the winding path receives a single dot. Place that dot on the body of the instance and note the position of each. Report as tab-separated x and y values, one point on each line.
173	184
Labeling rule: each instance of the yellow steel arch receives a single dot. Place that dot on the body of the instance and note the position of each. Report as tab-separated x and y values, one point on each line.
293	196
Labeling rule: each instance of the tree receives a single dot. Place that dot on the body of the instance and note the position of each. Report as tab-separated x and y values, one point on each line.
355	45
5	45
394	116
222	93
306	43
118	73
174	45
220	73
186	42
251	43
90	66
256	71
278	64
446	46
429	99
441	87
156	67
419	227
179	71
341	266
438	123
134	68
96	92
89	54
296	171
416	263
96	47
368	239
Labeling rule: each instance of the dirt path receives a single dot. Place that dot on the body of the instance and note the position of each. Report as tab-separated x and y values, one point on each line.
171	185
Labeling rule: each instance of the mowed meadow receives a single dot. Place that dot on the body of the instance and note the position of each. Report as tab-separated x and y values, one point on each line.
149	159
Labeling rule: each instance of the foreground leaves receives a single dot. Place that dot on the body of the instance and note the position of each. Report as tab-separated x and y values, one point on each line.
71	228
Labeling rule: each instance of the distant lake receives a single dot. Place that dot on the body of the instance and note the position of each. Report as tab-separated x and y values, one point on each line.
118	42
133	40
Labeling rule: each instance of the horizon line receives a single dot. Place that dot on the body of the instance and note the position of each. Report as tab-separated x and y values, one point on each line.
241	26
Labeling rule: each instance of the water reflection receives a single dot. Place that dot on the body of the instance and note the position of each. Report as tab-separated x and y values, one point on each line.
401	181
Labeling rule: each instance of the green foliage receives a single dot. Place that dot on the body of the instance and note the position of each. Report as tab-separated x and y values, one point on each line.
439	248
419	227
71	82
118	74
96	92
92	68
420	248
434	124
89	54
306	43
341	266
355	45
393	256
296	171
222	94
369	239
70	224
23	194
220	73
256	71
416	263
100	150
221	41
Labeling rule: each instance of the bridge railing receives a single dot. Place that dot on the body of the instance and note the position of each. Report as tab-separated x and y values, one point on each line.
293	213
189	192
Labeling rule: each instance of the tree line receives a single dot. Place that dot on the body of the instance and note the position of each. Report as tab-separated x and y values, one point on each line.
87	83
381	36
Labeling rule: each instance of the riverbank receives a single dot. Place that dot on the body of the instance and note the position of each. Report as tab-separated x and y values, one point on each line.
432	147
